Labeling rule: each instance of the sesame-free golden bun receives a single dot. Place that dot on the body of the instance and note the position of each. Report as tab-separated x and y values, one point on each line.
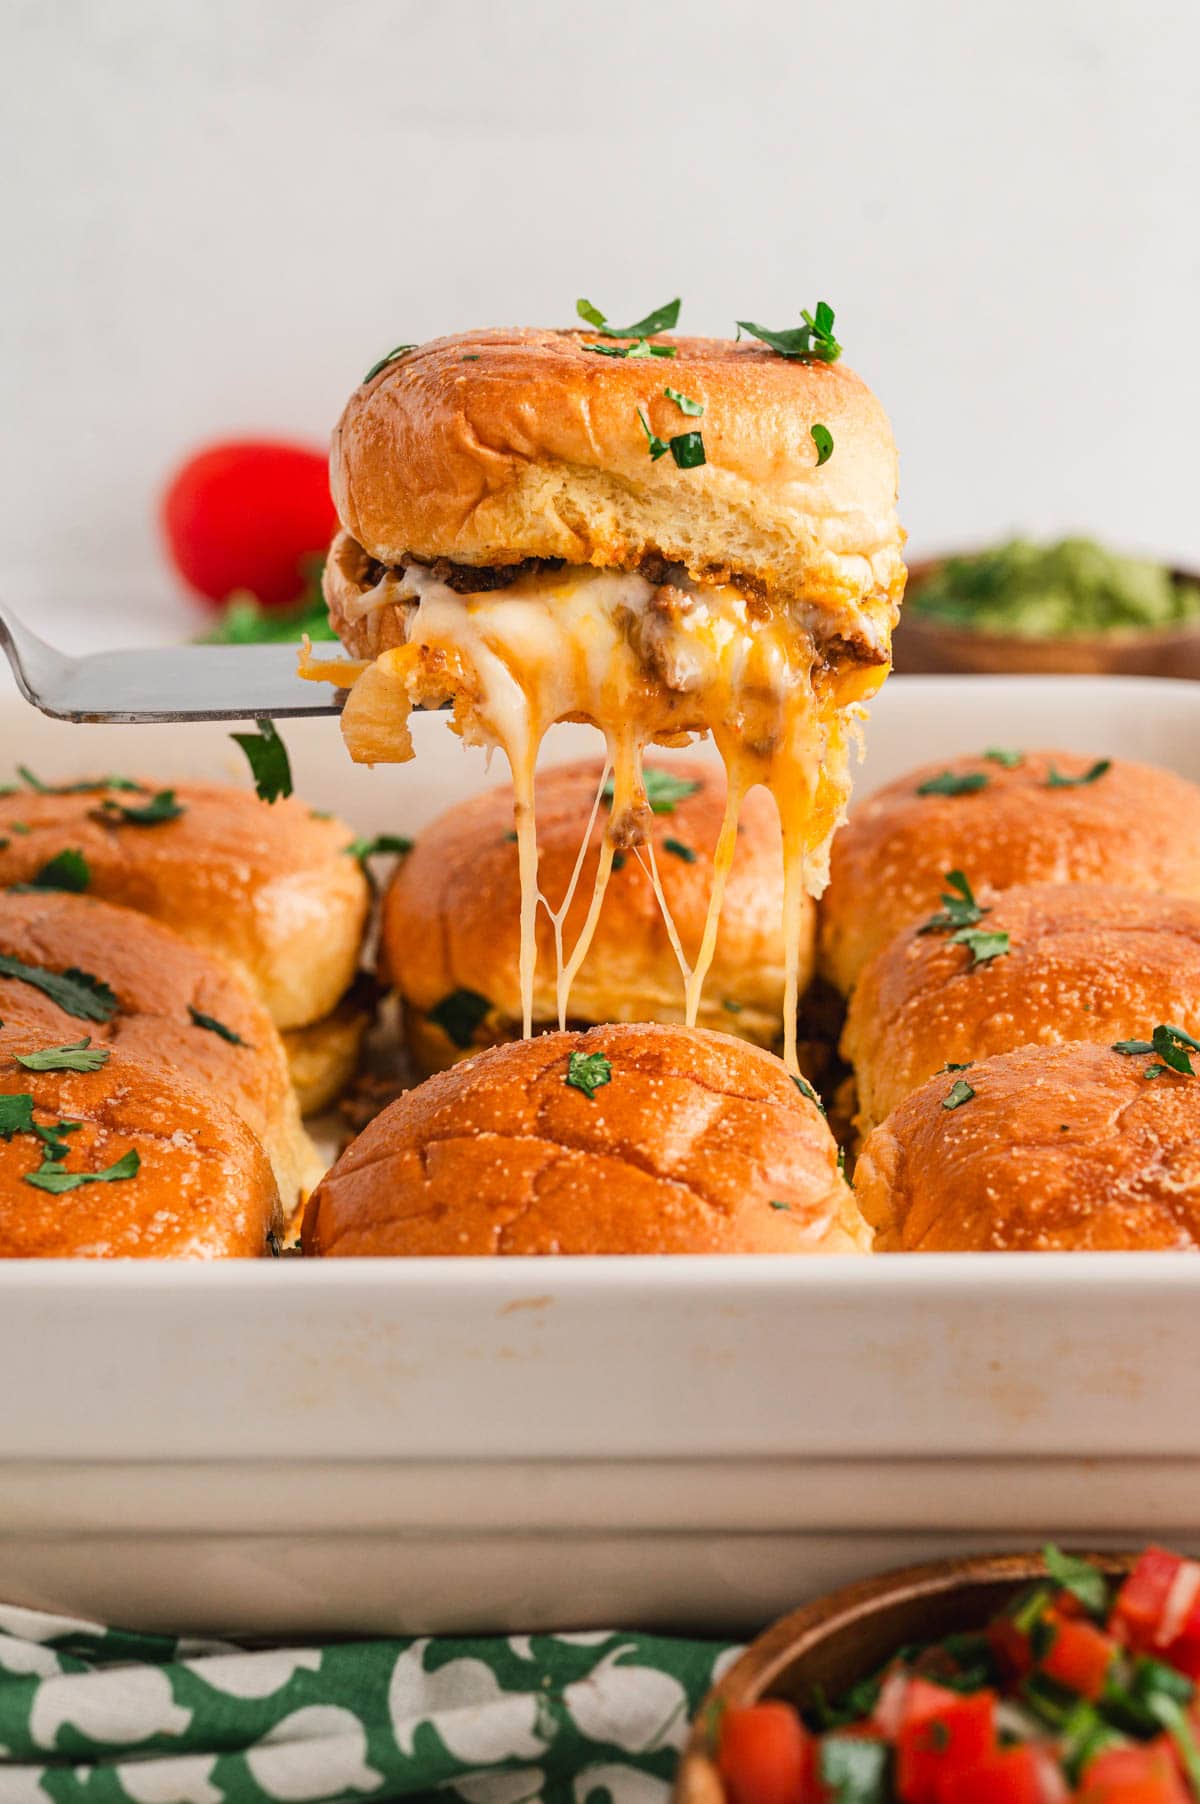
491	447
699	1143
203	1188
323	1058
1137	826
267	887
157	978
451	914
1060	1148
1084	962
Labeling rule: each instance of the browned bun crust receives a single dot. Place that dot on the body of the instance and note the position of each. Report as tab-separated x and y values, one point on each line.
451	915
268	888
157	977
204	1189
1137	825
324	1057
1061	1147
490	447
684	1151
1085	962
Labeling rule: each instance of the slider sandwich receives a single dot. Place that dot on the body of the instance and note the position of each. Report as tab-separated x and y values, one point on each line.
664	537
272	890
450	935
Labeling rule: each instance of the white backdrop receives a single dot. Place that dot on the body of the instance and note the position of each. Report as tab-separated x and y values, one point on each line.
216	214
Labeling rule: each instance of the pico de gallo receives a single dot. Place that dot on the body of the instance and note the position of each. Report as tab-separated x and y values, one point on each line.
1071	1695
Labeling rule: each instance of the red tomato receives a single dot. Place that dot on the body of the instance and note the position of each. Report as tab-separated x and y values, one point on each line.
1139	1775
246	515
1012	1776
1079	1656
938	1739
1010	1647
766	1756
1143	1597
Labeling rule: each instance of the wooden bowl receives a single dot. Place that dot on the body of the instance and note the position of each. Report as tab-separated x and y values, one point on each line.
923	646
845	1637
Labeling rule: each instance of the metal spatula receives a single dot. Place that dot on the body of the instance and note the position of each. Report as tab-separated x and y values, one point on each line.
184	682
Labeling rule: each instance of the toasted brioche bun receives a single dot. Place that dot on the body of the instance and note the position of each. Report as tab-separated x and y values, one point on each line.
685	1150
157	977
1061	1147
1137	825
1085	962
451	914
269	889
203	1189
491	447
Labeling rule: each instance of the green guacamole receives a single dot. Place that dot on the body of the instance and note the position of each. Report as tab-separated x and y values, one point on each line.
1042	591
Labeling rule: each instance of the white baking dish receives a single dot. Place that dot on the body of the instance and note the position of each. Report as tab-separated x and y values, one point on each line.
478	1445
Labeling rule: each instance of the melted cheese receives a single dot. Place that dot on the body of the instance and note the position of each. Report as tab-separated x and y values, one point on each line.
644	664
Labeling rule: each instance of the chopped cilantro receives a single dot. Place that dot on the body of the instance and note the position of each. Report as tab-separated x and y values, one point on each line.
1083	1580
268	760
958	910
16	1115
215	1027
161	807
959	1092
67	871
78	992
996	754
687	448
397	351
684	403
1173	1045
1056	780
661	320
51	1176
589	1072
459	1015
813	339
806	1089
80	1055
953	783
822	438
982	945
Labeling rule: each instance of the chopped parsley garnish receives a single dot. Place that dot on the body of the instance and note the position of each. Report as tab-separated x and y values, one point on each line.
391	357
822	438
775	1205
678	850
663	789
75	789
199	1019
16	1115
953	783
1083	1580
996	754
383	845
80	1055
1056	780
661	320
684	403
687	448
67	871
958	910
982	945
814	339
806	1089
658	447
161	807
733	1008
618	861
459	1015
1173	1045
959	1092
642	348
471	357
950	1065
77	992
268	759
589	1072
52	1177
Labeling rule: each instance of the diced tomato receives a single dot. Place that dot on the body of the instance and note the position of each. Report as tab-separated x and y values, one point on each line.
1010	1647
1012	1776
938	1739
889	1709
1079	1656
1135	1775
766	1756
1067	1604
1142	1599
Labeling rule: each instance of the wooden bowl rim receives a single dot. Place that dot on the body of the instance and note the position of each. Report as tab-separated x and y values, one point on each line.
759	1664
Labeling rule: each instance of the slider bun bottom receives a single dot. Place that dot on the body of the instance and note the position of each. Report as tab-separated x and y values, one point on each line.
323	1059
204	1189
1061	1148
685	1150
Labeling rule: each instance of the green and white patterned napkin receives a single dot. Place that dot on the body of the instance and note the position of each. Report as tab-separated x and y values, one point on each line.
97	1716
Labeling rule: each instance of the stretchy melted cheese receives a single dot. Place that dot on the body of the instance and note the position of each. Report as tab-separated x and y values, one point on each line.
644	663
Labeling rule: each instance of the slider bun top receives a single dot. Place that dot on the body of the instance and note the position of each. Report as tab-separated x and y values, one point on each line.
1085	962
203	1189
268	888
1136	825
1061	1147
451	914
490	447
691	1147
157	978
